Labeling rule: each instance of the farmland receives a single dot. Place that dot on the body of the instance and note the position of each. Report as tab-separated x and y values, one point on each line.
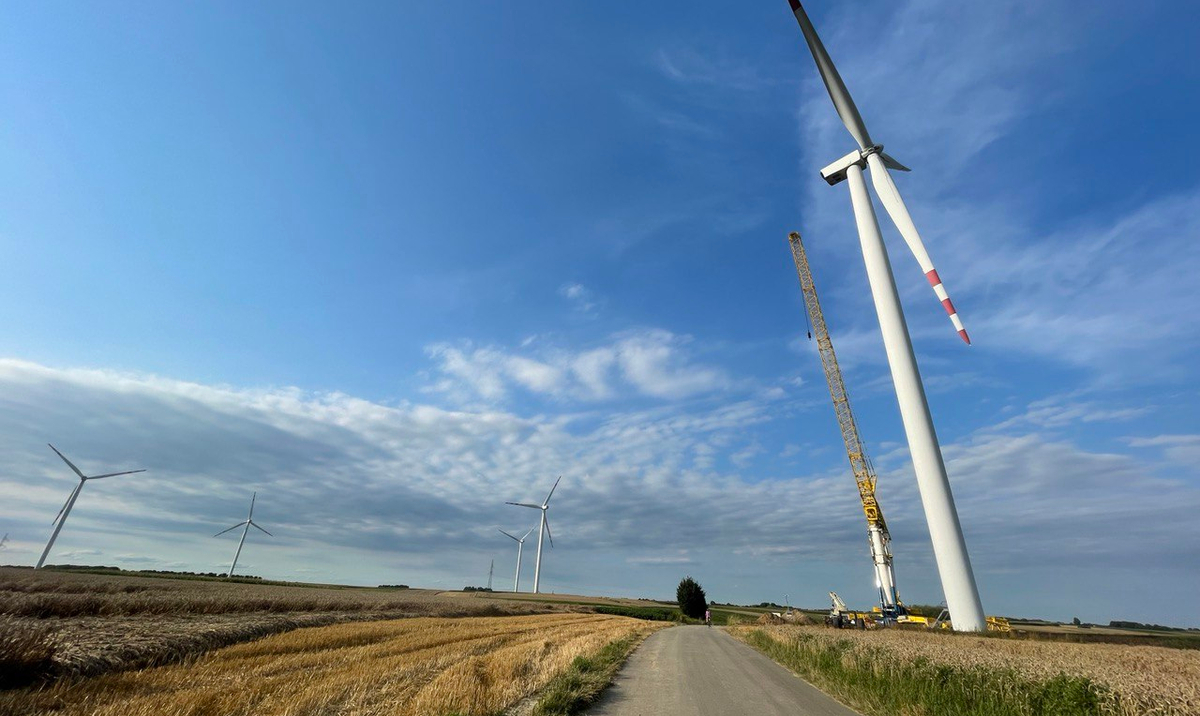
72	624
424	665
888	671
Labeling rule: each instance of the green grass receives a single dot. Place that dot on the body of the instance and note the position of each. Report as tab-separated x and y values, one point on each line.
654	614
880	686
580	685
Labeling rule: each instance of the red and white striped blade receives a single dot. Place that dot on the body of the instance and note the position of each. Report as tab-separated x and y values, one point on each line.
885	188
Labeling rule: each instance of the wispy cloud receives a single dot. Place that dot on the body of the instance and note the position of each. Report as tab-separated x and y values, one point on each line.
650	363
582	299
711	70
420	488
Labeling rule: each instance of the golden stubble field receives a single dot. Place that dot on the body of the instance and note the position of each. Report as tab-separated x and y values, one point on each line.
86	624
1143	679
423	665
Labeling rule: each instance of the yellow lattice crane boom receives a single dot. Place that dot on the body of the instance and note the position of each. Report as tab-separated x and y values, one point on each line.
860	464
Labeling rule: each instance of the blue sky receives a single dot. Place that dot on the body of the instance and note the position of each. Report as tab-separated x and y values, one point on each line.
394	266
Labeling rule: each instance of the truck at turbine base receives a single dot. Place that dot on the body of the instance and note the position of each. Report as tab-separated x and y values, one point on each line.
890	607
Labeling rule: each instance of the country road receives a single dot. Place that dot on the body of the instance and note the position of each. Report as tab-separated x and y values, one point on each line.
702	671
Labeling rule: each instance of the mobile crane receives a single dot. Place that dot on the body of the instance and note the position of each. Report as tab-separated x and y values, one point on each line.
890	606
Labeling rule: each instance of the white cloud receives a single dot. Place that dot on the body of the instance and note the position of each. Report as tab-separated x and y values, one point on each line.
652	363
1182	450
687	66
583	299
361	491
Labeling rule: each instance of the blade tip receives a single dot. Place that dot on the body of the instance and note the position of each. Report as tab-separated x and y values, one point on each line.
963	334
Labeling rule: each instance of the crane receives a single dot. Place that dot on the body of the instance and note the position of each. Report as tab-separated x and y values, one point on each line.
864	474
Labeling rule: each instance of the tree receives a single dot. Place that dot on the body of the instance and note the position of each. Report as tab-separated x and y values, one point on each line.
1075	621
690	596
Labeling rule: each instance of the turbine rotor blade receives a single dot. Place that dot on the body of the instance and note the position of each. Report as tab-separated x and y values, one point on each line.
253	497
552	489
833	81
69	463
114	474
889	196
255	525
891	163
71	497
548	534
531	529
229	530
524	504
508	535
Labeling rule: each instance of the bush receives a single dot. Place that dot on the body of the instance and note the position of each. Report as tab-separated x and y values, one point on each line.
691	598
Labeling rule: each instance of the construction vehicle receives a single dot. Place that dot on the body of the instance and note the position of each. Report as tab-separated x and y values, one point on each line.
890	606
844	617
942	621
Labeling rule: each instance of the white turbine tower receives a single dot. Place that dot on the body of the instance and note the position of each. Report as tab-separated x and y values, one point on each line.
61	519
520	547
248	523
543	531
950	550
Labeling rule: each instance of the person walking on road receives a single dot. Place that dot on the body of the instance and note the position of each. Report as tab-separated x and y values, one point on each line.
708	617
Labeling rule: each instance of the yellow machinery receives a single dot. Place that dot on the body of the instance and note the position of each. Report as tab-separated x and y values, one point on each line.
864	475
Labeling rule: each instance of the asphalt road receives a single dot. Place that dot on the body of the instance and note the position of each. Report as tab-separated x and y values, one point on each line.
702	671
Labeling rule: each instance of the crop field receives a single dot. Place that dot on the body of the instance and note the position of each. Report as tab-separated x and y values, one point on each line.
55	624
935	673
424	665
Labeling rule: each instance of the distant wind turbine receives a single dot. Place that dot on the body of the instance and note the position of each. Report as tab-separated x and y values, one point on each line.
520	546
61	519
543	531
248	523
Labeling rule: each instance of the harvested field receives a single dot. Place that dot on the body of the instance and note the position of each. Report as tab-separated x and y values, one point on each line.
421	666
1026	675
91	624
43	594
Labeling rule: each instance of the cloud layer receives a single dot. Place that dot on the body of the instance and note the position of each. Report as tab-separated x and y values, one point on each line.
361	491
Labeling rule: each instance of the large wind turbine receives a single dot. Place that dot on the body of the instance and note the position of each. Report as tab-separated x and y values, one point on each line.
543	531
249	522
61	519
520	547
949	548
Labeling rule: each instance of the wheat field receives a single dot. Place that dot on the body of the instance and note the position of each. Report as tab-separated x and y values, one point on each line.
423	666
1138	679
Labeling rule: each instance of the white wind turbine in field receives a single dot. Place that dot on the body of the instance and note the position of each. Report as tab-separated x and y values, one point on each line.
520	547
61	519
543	531
248	523
950	550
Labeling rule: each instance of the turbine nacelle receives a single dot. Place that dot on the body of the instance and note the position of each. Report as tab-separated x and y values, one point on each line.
835	173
